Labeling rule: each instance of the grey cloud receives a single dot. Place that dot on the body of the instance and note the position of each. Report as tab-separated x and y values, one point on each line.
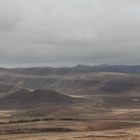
67	32
9	15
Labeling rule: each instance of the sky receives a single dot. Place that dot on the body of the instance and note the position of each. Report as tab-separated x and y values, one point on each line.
69	32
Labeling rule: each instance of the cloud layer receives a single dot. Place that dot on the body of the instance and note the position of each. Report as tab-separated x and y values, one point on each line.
69	32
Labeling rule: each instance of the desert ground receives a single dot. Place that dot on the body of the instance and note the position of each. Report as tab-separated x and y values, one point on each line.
86	120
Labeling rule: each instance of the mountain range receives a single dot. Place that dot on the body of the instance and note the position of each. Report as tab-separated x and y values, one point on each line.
46	85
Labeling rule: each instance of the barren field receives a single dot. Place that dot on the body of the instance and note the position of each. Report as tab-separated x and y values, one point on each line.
79	121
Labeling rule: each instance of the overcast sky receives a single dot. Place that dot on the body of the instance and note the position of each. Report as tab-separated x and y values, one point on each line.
69	32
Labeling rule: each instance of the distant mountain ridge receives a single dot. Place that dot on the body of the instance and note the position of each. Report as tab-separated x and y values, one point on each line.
80	79
76	69
45	86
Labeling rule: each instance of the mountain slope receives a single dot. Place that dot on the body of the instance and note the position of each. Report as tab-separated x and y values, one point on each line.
81	83
26	98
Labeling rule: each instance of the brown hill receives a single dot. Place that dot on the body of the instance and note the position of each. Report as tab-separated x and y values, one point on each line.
81	83
26	98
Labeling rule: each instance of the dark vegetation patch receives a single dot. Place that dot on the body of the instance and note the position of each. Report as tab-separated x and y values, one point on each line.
44	119
34	130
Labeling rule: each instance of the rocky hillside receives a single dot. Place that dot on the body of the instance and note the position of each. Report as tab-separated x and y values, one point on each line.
26	98
80	83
